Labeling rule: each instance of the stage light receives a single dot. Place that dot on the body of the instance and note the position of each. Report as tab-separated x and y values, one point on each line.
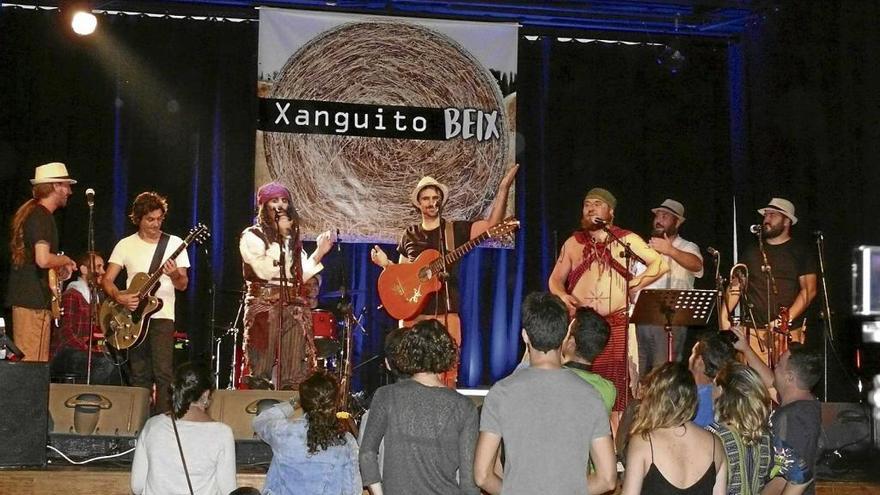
84	23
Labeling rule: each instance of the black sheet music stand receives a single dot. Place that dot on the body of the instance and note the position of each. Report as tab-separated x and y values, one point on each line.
673	308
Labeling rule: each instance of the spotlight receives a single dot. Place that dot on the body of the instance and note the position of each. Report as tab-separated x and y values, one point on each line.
671	58
84	23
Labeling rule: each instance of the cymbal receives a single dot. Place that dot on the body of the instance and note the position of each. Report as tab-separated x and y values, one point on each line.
339	293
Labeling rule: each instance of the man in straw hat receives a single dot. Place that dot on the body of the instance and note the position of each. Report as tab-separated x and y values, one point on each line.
429	197
685	264
277	315
34	249
592	271
793	269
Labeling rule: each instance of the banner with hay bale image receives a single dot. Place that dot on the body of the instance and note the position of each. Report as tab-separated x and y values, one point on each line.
355	109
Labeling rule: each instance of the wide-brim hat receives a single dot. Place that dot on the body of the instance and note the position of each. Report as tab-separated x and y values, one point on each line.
671	206
782	206
51	173
428	181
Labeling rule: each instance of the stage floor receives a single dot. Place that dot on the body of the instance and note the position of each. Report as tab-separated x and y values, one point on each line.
76	480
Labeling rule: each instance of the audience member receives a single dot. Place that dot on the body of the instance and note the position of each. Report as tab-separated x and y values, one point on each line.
551	421
187	434
711	353
587	335
742	410
429	430
311	454
797	422
668	453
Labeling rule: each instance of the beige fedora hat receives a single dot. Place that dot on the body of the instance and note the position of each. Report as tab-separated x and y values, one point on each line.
428	181
671	206
780	205
51	172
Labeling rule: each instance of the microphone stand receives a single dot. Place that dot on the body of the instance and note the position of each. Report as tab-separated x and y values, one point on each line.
282	299
212	290
771	291
93	288
719	286
444	272
826	314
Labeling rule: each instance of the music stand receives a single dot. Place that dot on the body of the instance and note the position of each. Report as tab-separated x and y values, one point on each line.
673	307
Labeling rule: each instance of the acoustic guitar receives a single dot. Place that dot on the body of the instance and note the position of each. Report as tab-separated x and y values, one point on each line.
404	287
124	328
55	283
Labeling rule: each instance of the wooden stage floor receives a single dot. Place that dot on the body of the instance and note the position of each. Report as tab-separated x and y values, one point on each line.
75	480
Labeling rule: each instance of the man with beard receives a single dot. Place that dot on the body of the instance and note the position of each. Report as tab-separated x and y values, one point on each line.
592	271
685	264
793	269
34	250
282	289
429	197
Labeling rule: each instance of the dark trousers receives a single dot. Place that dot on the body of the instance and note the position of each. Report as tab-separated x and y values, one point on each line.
153	362
72	365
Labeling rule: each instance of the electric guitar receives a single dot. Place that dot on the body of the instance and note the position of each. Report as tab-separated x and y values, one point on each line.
124	328
404	287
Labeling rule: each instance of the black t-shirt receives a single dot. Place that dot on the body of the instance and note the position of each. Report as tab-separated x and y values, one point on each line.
788	261
29	284
798	425
415	239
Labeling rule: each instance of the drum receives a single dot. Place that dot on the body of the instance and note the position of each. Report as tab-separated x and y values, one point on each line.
324	328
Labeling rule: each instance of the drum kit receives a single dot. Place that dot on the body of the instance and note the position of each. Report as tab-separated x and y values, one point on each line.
333	324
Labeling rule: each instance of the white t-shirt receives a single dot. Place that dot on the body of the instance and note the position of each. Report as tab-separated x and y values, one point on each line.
209	449
678	277
135	255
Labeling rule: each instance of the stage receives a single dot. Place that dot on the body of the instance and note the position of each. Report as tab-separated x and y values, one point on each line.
73	480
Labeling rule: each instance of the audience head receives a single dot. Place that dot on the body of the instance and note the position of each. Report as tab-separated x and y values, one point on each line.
669	398
743	403
245	490
799	368
392	343
588	334
425	348
545	321
711	353
191	387
318	395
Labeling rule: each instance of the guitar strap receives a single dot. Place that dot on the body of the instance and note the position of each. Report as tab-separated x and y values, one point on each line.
159	253
449	235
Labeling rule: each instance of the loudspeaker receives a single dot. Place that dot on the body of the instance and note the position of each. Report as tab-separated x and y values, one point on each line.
846	426
102	410
237	408
24	387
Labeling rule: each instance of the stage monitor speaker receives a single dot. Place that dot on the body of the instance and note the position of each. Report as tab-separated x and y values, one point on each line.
103	410
846	426
237	408
24	387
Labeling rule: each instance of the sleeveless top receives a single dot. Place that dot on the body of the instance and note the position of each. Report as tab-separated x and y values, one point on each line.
656	484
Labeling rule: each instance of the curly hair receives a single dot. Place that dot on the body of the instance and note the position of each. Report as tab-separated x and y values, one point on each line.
146	202
318	394
16	235
426	347
190	383
670	399
744	403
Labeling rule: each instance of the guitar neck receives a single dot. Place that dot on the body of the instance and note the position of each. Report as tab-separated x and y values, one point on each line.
460	251
154	277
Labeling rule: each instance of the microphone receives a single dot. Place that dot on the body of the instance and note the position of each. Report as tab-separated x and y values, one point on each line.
90	197
712	251
338	247
599	221
819	234
756	229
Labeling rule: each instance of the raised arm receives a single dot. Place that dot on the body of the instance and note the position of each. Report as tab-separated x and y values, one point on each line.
499	204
